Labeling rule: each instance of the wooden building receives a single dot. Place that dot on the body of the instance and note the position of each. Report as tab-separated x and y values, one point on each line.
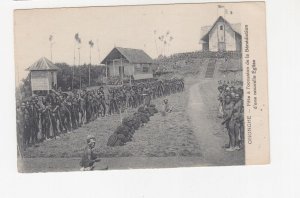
127	62
43	76
221	36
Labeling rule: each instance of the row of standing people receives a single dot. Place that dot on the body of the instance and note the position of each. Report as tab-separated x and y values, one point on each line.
45	118
231	110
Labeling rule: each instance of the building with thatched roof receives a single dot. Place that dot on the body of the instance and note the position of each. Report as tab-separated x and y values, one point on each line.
43	75
128	62
221	36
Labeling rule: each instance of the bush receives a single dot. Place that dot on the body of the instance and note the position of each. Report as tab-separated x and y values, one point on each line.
122	139
112	140
124	132
143	116
151	110
129	122
137	122
154	110
119	143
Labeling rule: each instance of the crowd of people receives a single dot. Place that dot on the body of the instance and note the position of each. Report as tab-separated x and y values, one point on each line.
231	110
42	118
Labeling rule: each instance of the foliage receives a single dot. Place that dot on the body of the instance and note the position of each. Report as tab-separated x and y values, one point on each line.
65	76
24	89
129	125
64	79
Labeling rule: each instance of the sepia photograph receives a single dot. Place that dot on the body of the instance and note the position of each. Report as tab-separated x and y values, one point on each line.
141	86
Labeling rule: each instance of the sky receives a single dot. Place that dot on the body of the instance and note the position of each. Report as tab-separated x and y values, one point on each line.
121	26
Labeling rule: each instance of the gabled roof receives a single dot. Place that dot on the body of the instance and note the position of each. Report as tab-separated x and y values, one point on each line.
205	30
236	27
43	64
131	55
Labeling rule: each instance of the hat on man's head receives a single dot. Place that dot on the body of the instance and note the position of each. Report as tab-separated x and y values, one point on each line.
90	138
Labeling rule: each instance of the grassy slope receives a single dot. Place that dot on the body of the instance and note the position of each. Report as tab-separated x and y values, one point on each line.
162	136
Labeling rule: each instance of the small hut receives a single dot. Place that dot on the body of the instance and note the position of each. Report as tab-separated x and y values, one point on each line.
128	62
43	76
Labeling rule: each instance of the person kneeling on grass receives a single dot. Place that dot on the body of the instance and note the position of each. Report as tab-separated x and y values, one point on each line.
167	107
89	157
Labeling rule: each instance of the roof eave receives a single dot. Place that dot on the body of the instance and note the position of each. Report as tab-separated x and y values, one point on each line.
42	70
141	62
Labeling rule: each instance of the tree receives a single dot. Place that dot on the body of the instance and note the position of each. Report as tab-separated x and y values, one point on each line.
81	73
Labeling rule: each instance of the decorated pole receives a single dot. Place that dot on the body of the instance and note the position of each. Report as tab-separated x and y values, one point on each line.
51	44
122	74
154	33
79	68
106	69
78	40
73	68
91	43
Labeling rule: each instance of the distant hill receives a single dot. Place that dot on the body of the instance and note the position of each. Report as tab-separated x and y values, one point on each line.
196	63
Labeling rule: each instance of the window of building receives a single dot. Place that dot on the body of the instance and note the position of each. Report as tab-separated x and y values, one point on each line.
221	27
138	67
145	69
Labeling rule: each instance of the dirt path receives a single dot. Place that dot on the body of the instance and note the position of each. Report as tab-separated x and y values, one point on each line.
207	127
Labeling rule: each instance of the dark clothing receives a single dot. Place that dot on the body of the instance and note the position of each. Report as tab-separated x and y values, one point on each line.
88	158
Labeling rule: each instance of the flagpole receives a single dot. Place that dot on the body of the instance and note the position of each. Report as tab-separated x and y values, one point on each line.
79	68
73	69
154	33
122	71
98	50
51	44
51	51
106	69
218	29
90	66
224	30
78	41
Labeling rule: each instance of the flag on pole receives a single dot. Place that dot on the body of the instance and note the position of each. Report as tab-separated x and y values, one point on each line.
91	43
50	38
77	38
228	11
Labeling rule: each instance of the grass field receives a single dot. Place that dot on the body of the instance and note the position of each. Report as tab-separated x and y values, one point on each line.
162	136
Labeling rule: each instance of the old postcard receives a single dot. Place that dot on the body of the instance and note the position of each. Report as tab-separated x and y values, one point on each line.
144	86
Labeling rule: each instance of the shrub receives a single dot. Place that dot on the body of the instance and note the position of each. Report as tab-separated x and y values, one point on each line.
123	129
124	132
112	140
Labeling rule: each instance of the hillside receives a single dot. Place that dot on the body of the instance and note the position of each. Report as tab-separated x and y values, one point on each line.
199	63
